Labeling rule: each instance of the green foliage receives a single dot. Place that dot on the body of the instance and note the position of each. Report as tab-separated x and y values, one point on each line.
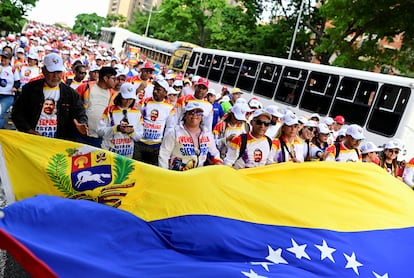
123	167
358	27
116	20
12	14
56	170
89	24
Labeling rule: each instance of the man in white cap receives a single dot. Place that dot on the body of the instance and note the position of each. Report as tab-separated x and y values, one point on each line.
200	94
158	116
253	149
370	152
348	149
70	116
275	123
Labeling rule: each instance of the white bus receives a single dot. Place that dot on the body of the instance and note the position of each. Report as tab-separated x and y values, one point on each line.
114	37
381	104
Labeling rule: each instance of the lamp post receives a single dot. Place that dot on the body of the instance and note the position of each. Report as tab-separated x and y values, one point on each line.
296	30
149	19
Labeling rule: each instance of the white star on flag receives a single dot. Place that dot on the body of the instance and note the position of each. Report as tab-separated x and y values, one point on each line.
380	276
326	251
352	262
275	256
298	250
265	265
252	274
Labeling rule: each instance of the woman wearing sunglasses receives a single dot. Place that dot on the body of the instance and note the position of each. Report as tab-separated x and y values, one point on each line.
288	147
389	157
187	145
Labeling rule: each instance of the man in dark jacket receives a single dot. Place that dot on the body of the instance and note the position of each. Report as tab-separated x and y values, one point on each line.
69	117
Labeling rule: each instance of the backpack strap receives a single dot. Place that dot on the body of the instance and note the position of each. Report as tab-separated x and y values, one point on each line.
337	149
243	145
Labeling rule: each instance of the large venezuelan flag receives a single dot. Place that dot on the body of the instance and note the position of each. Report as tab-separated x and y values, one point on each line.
287	220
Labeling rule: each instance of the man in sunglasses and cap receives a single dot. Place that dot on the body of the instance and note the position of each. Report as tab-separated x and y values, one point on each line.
253	149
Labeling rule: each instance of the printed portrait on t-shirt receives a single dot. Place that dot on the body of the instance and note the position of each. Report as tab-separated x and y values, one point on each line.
154	115
47	123
257	155
49	106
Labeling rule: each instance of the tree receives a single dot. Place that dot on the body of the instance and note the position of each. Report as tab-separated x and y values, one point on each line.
357	29
89	24
12	13
116	20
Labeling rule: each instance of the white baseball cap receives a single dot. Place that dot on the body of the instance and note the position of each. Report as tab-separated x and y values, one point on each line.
171	91
328	121
355	131
290	119
53	62
193	105
394	144
260	112
368	147
163	84
323	129
178	83
274	111
128	91
315	115
311	123
239	111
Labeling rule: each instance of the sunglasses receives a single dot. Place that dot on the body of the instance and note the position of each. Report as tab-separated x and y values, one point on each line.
311	129
259	122
396	152
82	72
195	112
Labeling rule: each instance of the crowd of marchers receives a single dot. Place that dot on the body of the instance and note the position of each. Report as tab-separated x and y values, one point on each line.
60	86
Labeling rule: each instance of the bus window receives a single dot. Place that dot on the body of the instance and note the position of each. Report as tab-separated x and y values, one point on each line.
247	75
347	89
204	64
178	62
319	91
268	77
291	85
388	110
193	63
352	100
231	71
216	68
366	93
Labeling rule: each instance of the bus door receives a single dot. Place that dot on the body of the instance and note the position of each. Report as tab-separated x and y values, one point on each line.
291	85
319	92
354	99
247	75
388	110
204	65
231	71
268	77
217	67
193	63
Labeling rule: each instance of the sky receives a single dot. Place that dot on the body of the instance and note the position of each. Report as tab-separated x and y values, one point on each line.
52	11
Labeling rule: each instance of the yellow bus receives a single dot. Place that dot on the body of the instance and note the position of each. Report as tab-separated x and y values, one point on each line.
172	55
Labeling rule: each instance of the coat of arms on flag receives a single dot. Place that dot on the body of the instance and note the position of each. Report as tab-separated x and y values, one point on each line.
94	174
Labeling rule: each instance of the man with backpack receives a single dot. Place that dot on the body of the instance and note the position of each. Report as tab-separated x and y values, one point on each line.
253	149
348	149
